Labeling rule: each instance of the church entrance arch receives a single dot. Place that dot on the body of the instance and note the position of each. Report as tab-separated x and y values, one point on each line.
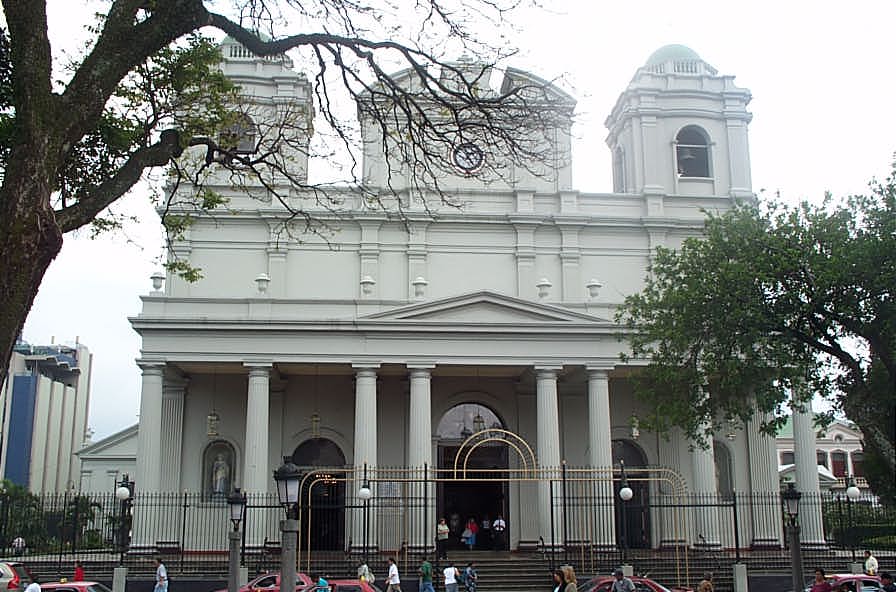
323	494
633	516
474	484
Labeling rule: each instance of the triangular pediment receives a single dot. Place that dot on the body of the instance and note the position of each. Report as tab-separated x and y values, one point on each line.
484	308
121	444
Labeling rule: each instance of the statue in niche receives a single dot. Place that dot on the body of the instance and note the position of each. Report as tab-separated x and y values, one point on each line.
220	476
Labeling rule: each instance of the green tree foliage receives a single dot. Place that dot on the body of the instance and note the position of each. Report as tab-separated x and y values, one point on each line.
774	302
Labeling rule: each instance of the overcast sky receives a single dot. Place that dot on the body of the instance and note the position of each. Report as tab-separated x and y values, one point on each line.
820	74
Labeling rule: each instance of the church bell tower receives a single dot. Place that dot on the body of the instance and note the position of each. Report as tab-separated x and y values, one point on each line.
680	128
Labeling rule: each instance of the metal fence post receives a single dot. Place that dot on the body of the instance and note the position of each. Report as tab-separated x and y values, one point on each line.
565	513
736	527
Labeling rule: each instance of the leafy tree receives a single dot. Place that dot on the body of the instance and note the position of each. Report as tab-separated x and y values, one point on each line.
773	303
146	90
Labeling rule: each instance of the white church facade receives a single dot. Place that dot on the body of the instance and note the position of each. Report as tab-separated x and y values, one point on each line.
476	339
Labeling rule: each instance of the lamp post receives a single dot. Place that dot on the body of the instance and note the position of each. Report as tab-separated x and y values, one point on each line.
625	494
236	503
790	498
287	478
852	495
365	494
124	494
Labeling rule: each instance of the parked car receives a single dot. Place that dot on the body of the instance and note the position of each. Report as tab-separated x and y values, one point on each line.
63	586
604	583
270	582
852	583
14	576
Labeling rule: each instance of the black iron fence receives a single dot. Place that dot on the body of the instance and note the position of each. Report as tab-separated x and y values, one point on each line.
567	516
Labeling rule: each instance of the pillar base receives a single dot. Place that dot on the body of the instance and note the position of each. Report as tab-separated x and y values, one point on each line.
767	544
527	546
119	579
740	577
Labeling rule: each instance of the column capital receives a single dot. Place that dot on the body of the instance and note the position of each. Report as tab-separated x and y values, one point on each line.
151	367
258	370
259	364
546	371
361	366
597	372
420	370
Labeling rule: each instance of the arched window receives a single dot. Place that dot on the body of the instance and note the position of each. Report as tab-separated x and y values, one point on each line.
821	458
619	171
462	421
318	452
858	458
692	152
724	473
838	463
239	136
218	469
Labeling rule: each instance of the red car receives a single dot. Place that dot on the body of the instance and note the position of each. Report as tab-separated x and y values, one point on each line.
852	583
349	586
63	586
270	582
604	583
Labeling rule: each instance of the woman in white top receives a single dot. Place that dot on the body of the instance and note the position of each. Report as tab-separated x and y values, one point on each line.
451	575
392	578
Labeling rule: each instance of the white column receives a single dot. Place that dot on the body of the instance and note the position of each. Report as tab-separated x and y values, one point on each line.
600	457
422	523
172	434
365	451
257	473
806	470
149	440
548	450
765	505
706	491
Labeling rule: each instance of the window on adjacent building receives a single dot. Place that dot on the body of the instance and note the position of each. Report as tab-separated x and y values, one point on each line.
692	152
838	463
787	457
821	457
858	458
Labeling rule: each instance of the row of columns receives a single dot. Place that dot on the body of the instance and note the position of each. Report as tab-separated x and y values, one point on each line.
256	469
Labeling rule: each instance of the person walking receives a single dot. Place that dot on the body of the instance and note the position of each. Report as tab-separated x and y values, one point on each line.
451	574
393	581
442	531
470	577
470	533
18	545
622	583
364	573
870	564
499	526
79	572
161	576
569	578
426	576
558	580
705	584
33	587
821	584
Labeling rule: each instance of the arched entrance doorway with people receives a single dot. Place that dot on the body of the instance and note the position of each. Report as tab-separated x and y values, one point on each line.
483	494
632	516
323	494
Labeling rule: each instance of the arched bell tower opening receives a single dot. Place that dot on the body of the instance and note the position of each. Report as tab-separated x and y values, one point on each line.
323	493
476	470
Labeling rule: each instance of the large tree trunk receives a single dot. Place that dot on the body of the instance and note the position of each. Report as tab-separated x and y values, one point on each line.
29	240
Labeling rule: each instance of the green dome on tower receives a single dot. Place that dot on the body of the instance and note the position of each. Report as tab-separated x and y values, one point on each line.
672	53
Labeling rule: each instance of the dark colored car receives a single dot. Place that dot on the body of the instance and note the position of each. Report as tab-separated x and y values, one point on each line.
270	582
14	576
604	583
851	583
85	586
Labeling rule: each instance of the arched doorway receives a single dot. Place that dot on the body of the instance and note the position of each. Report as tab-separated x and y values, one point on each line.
323	511
633	516
484	494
